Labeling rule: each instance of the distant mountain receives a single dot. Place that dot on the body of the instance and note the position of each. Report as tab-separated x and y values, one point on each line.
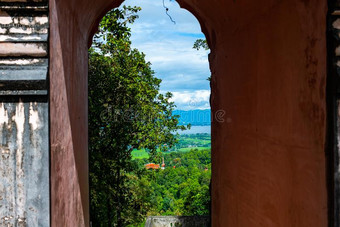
194	117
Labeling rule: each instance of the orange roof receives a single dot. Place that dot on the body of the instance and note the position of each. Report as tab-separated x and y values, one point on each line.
151	166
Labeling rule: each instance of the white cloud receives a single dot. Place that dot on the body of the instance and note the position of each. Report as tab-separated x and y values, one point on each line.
168	47
187	100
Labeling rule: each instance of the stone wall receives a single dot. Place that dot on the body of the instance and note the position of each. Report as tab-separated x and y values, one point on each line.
23	47
178	221
24	120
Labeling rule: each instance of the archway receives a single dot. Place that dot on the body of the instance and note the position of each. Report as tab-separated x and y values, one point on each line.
262	70
73	152
181	187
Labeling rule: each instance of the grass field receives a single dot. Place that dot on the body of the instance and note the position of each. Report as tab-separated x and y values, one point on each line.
186	143
140	154
187	149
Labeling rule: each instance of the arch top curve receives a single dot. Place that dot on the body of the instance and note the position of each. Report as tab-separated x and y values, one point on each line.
267	52
106	6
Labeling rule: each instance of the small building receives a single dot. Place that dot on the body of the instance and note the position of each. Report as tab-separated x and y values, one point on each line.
151	166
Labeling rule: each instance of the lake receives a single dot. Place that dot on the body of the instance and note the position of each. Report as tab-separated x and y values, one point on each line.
197	129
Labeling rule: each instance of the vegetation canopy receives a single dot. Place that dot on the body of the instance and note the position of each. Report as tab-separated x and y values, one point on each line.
126	112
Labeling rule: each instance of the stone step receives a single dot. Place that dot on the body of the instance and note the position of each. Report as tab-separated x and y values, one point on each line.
23	49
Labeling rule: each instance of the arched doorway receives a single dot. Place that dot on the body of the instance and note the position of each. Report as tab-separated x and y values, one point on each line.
269	165
121	189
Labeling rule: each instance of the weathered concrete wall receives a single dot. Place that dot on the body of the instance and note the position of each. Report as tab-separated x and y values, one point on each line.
24	121
178	221
24	164
268	66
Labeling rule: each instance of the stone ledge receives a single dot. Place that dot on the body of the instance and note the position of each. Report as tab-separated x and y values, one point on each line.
18	31
36	23
23	49
26	93
24	7
23	38
21	74
23	29
24	75
23	62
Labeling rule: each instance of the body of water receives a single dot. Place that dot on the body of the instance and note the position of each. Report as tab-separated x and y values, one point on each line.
197	129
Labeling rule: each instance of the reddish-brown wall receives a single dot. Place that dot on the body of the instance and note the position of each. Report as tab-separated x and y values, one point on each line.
268	65
68	114
269	70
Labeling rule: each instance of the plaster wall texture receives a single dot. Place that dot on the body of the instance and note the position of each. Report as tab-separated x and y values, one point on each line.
24	160
24	114
268	66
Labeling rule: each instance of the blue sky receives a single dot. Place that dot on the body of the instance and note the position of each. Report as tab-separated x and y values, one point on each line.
168	47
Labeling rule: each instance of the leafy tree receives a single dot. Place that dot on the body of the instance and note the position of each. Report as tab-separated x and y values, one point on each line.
201	43
126	112
183	190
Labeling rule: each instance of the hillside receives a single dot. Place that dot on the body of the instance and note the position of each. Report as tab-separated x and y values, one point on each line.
194	117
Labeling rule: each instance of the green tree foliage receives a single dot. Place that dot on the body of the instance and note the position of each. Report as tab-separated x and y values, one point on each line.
126	112
201	43
183	190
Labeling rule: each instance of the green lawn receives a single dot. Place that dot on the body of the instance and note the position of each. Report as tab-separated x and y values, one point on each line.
186	143
139	154
187	149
